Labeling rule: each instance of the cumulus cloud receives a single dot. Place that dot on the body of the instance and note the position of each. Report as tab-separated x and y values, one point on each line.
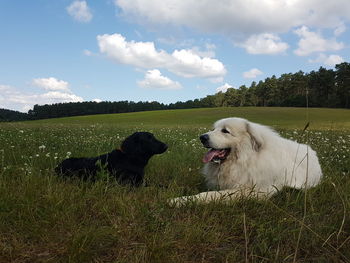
139	54
187	64
330	60
154	80
333	60
80	11
184	62
51	84
224	88
12	98
311	42
57	96
253	25
264	44
252	74
238	17
9	94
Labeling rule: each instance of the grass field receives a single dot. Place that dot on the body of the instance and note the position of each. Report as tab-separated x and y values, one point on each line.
46	219
276	117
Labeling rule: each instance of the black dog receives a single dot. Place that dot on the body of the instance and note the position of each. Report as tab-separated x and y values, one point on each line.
126	165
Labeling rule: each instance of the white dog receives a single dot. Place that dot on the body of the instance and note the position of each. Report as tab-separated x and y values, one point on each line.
249	159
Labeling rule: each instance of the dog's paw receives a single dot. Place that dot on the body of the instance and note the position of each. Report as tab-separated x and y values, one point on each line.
180	201
174	202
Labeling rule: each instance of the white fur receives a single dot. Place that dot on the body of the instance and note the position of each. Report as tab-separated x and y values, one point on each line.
260	163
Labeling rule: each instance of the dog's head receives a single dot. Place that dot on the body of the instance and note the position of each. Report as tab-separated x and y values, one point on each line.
143	144
230	137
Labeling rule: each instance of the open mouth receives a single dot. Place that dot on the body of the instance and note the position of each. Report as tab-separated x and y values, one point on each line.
216	155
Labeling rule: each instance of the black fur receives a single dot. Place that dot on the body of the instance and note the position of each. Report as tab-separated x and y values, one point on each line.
126	165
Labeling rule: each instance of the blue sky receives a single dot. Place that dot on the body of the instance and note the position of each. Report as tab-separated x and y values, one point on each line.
160	50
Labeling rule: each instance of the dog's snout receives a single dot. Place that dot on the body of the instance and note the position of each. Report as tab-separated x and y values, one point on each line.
162	148
204	138
165	147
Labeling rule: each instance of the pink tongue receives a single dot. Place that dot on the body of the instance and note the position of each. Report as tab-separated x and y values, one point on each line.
210	155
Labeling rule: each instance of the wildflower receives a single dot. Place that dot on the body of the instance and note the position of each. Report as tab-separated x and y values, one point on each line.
42	147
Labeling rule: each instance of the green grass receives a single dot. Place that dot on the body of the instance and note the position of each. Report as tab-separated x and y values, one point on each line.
273	116
46	219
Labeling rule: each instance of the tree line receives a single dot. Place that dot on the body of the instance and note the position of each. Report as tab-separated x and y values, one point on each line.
323	88
10	115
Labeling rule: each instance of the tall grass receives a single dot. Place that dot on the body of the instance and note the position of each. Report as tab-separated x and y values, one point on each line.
44	218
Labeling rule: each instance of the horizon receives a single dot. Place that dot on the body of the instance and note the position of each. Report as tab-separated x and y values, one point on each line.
164	51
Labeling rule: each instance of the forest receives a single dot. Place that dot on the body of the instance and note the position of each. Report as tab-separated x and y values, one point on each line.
329	88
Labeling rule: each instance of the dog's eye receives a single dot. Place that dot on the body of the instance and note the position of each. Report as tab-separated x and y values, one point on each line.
225	131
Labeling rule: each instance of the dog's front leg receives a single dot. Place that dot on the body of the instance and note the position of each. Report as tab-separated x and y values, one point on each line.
218	196
206	197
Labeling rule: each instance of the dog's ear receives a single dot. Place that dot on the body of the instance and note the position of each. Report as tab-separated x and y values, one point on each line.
132	145
255	137
128	145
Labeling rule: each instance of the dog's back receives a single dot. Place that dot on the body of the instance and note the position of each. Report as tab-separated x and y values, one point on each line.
76	166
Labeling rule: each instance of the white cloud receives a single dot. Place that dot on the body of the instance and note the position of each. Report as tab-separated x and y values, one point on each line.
51	84
57	96
187	64
154	80
330	60
264	44
333	60
184	62
80	11
97	100
224	88
5	92
139	54
12	98
252	74
238	17
311	42
253	24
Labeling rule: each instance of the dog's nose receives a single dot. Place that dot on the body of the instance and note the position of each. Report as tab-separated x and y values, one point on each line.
165	147
204	138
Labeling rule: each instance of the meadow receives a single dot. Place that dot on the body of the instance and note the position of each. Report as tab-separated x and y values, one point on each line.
44	218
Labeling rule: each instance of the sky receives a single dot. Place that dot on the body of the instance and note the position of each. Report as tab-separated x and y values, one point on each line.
54	51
